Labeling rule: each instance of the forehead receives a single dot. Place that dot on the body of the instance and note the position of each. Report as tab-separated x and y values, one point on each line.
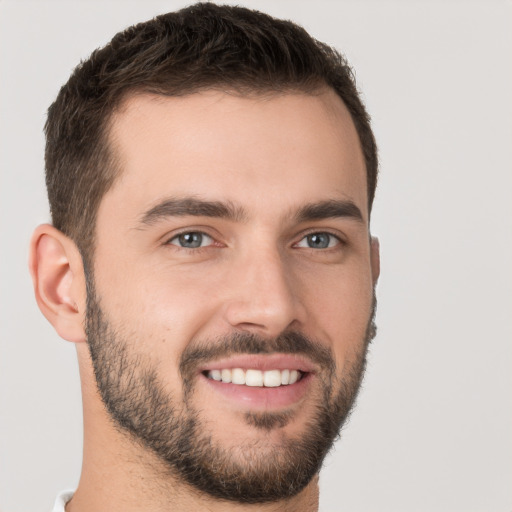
281	149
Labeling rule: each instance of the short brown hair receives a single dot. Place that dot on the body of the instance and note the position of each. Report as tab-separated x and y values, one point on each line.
204	46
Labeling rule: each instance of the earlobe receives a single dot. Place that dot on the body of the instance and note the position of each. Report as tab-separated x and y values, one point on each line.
59	283
375	258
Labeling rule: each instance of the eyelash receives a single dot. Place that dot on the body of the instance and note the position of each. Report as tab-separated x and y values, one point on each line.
339	241
337	238
191	232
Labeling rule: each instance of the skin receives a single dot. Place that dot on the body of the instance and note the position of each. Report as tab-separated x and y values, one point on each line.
271	156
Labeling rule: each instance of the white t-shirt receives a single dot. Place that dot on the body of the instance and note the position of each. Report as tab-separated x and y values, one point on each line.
62	499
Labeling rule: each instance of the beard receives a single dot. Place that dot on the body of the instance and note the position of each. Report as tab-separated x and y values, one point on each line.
255	472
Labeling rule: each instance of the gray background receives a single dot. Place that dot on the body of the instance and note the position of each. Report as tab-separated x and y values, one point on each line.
433	427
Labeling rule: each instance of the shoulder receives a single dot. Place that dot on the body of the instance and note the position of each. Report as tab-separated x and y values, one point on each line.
62	499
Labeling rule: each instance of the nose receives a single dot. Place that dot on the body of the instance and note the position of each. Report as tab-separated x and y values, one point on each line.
264	296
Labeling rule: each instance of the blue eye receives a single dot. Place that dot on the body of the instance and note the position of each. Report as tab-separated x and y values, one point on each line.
191	240
319	241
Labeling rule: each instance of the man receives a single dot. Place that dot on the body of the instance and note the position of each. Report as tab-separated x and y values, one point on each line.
210	176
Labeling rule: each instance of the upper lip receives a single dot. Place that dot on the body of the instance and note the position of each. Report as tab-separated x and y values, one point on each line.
262	362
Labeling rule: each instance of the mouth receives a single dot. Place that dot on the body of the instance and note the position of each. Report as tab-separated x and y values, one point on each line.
260	382
255	378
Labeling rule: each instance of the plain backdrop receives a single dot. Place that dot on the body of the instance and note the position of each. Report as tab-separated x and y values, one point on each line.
433	427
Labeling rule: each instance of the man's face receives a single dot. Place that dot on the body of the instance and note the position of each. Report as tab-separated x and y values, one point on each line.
233	247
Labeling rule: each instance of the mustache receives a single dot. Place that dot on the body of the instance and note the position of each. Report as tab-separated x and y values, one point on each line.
292	342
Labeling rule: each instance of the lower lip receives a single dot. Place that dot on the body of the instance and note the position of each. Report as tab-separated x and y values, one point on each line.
262	398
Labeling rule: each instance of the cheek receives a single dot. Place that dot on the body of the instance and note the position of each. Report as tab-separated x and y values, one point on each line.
340	307
162	307
155	317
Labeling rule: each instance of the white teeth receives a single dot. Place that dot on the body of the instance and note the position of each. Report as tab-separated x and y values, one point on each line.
255	378
215	375
237	376
271	379
294	375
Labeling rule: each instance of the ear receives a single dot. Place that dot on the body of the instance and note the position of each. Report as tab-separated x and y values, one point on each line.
375	258
59	281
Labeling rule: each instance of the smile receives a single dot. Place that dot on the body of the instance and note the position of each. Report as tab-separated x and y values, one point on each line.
260	382
255	378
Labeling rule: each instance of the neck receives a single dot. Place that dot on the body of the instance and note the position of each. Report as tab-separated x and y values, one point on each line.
128	491
118	480
119	475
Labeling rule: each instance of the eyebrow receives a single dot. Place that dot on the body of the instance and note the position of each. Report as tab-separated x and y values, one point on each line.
189	206
334	208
